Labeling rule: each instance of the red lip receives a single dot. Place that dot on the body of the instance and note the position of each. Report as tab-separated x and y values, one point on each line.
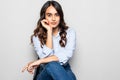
53	23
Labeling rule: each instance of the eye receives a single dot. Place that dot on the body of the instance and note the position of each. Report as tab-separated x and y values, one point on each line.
49	15
56	14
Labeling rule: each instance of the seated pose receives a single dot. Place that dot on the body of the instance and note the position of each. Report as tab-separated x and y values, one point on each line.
54	43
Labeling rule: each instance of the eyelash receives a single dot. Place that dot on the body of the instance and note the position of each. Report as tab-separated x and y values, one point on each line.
48	15
57	14
51	15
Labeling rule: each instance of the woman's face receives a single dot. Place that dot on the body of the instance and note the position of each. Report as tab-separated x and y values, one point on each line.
52	17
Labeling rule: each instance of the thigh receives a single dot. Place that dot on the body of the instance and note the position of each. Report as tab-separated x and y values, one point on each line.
71	75
69	72
42	74
57	71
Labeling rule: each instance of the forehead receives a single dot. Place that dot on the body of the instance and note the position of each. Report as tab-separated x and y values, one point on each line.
51	9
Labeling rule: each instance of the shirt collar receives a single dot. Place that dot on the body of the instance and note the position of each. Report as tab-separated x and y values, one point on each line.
57	35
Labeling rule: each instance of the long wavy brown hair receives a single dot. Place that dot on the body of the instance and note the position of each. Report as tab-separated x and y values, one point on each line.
41	32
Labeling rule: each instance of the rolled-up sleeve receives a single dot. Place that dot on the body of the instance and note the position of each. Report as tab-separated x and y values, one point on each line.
41	52
64	54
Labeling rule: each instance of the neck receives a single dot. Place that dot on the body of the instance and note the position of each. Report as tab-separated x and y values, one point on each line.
55	31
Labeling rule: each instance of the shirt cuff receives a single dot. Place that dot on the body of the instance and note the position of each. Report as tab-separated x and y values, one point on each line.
47	51
62	58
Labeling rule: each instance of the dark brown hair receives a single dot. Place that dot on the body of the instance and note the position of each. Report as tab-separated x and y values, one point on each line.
41	32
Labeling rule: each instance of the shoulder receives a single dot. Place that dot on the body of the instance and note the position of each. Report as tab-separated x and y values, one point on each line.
70	31
35	38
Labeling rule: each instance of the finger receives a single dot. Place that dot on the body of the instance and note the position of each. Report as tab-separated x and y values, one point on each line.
31	70
24	68
44	21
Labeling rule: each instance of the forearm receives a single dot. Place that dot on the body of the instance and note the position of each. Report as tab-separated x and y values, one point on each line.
49	39
32	65
46	25
48	59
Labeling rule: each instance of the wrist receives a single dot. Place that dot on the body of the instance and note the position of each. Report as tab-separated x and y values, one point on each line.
49	31
39	61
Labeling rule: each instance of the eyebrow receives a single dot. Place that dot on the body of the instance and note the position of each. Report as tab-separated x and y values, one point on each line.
51	13
48	13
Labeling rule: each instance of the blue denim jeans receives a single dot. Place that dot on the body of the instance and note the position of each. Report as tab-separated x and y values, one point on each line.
55	71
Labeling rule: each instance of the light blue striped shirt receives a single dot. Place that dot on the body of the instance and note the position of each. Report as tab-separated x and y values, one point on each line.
63	53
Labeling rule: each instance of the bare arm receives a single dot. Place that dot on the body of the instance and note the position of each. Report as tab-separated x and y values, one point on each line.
45	24
49	43
44	60
31	65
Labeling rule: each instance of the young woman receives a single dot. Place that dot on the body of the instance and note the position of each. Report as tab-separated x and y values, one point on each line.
54	42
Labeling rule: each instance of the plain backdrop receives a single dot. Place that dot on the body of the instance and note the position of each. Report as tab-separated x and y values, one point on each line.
97	25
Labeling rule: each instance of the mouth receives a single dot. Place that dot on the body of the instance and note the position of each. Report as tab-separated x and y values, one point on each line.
53	23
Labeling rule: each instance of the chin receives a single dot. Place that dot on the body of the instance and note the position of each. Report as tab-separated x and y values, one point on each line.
54	26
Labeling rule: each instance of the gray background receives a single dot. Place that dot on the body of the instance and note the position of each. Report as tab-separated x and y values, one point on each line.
97	25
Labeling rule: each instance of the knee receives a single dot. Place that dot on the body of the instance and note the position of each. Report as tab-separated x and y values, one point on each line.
52	65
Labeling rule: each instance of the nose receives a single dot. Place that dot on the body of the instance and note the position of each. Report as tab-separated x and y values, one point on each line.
53	18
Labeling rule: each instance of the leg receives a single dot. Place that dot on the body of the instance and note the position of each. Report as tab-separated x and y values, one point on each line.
36	73
69	72
57	71
42	74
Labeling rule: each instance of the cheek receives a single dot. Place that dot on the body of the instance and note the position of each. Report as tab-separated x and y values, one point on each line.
58	19
48	20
